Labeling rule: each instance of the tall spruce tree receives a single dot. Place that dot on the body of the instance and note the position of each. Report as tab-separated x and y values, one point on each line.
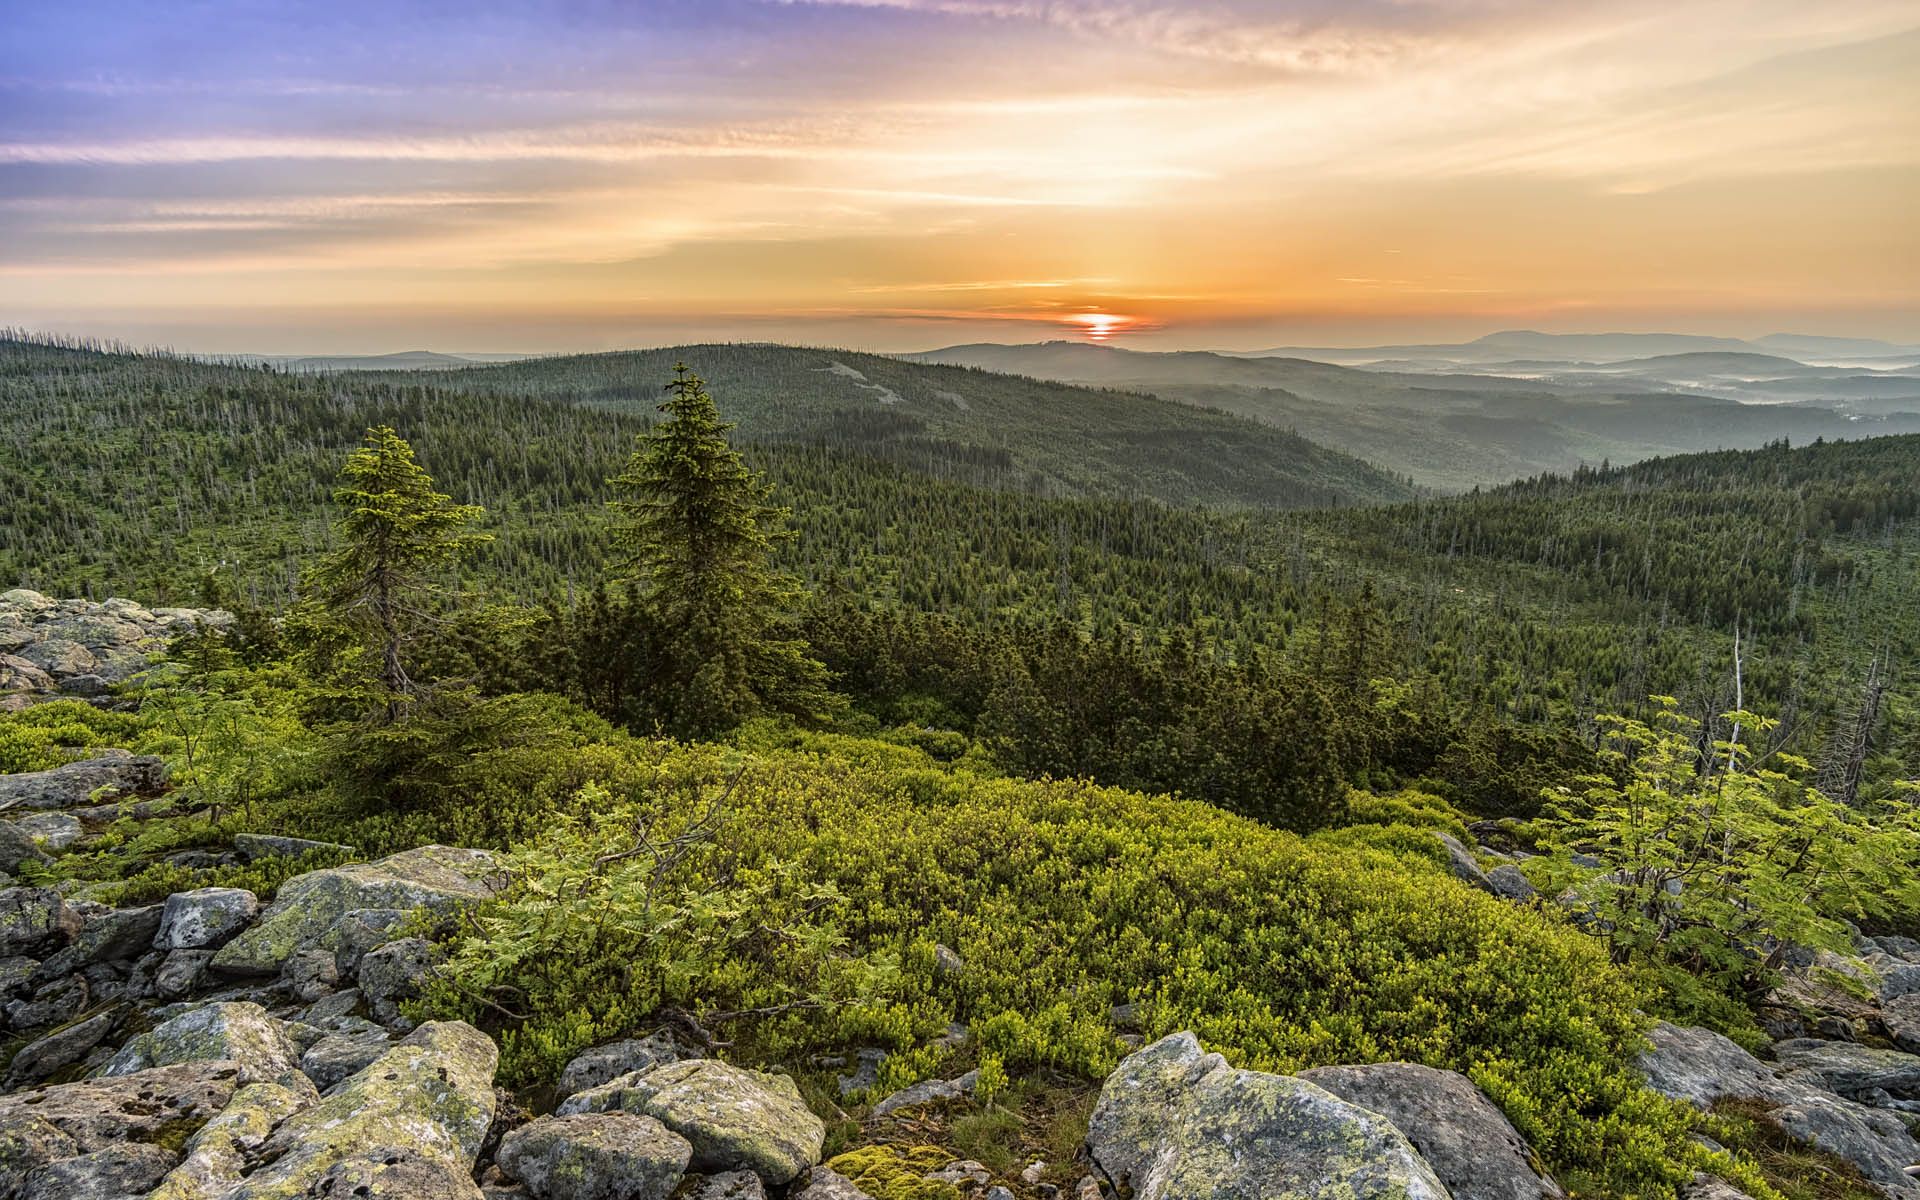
377	585
697	534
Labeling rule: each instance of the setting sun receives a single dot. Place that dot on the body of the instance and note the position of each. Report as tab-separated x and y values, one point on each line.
1099	326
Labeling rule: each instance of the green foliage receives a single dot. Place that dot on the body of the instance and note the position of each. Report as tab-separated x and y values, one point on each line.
645	886
231	738
1064	899
1713	862
44	736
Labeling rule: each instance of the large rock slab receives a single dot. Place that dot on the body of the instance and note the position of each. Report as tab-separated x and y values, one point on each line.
734	1118
435	877
596	1156
114	1173
165	1104
1702	1067
240	1032
217	1156
112	773
409	1125
1465	1138
1848	1069
1176	1123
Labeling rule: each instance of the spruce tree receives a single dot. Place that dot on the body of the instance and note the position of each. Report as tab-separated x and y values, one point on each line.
697	533
377	586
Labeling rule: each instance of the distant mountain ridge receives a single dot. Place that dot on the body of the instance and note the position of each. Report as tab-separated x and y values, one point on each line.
1599	347
1456	426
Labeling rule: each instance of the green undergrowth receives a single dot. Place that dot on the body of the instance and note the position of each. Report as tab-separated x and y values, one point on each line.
784	897
805	918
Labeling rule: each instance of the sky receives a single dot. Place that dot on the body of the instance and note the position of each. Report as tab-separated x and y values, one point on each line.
353	176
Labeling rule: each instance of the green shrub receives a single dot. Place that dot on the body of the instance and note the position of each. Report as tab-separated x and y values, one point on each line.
1063	898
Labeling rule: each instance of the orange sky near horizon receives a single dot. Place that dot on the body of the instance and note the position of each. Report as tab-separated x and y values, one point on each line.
897	174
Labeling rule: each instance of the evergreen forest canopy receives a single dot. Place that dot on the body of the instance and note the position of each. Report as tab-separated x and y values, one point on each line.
1061	677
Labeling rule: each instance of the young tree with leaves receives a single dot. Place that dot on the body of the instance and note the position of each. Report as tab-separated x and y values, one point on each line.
697	535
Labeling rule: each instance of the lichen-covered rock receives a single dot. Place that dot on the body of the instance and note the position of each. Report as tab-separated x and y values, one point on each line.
62	1048
28	1143
357	933
1702	1067
413	1119
733	1117
825	1184
55	831
167	1104
395	972
205	918
337	1056
112	773
1460	860
433	877
1469	1143
35	921
218	1155
255	846
180	973
727	1185
119	934
596	1156
239	1032
18	847
1176	1123
1901	1019
1509	883
604	1064
111	1173
926	1092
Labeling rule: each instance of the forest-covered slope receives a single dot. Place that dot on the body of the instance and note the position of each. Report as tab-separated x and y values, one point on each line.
1546	600
974	426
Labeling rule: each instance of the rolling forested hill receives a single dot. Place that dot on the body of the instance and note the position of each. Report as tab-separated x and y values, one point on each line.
1455	429
955	423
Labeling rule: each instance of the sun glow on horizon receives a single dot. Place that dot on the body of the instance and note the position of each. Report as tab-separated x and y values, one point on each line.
1100	326
898	174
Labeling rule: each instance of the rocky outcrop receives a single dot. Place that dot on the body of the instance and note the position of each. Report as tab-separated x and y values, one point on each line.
80	648
205	918
242	1033
429	877
734	1118
410	1124
1471	1146
1176	1123
1702	1067
108	775
596	1156
604	1064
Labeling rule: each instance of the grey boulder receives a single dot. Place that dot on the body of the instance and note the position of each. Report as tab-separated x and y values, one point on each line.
604	1064
596	1156
733	1117
1176	1123
205	918
1469	1143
